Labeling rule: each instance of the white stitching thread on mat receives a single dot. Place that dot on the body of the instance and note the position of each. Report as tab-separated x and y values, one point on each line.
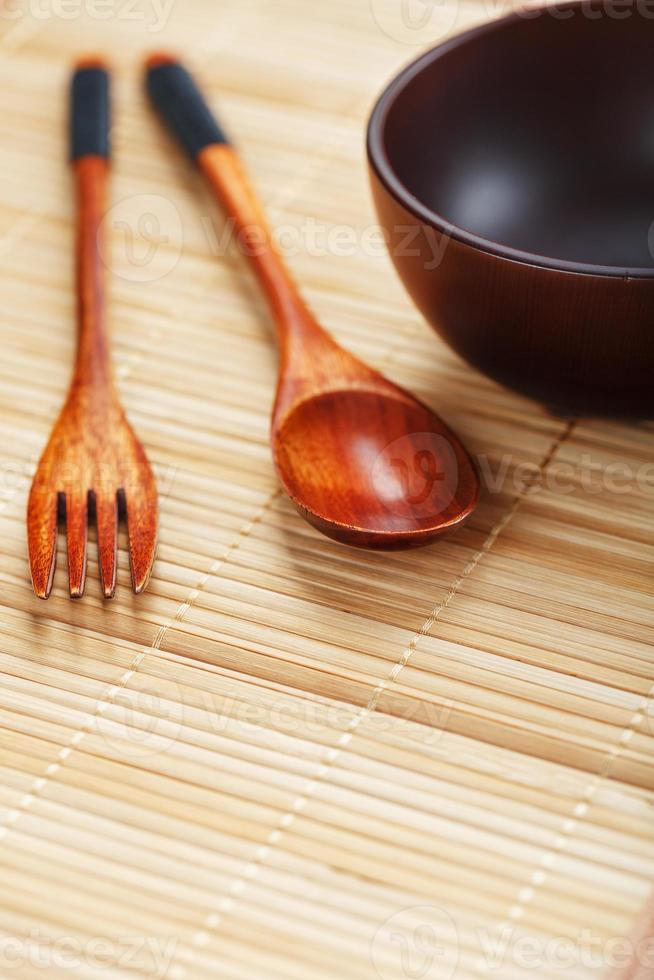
570	825
213	920
40	783
24	30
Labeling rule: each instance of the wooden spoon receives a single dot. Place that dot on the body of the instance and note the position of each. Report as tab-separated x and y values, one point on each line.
362	459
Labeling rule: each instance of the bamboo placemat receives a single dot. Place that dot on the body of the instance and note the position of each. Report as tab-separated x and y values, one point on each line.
290	760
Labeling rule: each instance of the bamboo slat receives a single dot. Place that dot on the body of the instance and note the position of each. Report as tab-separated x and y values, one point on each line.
289	760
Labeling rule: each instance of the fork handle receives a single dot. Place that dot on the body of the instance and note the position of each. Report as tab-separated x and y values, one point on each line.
89	129
89	144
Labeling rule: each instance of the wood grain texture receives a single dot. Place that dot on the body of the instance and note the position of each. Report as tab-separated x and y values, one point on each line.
283	743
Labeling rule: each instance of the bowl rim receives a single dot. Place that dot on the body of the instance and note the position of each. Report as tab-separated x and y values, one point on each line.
383	168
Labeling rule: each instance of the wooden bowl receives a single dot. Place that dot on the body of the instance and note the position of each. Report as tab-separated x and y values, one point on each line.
513	172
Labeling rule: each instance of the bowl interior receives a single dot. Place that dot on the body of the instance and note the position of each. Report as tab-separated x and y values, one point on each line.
536	133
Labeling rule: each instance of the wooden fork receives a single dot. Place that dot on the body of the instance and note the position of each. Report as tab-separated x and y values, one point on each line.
93	464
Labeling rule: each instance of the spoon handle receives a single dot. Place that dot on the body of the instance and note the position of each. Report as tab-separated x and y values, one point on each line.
184	109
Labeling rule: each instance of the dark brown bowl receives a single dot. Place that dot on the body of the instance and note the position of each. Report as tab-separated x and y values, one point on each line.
513	172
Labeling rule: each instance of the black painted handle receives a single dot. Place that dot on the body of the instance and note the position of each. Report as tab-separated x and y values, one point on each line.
182	106
89	112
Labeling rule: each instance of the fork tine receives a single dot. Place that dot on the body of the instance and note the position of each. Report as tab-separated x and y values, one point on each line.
142	533
106	512
76	537
42	538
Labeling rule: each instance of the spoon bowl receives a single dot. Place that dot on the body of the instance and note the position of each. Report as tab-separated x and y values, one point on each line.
374	469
